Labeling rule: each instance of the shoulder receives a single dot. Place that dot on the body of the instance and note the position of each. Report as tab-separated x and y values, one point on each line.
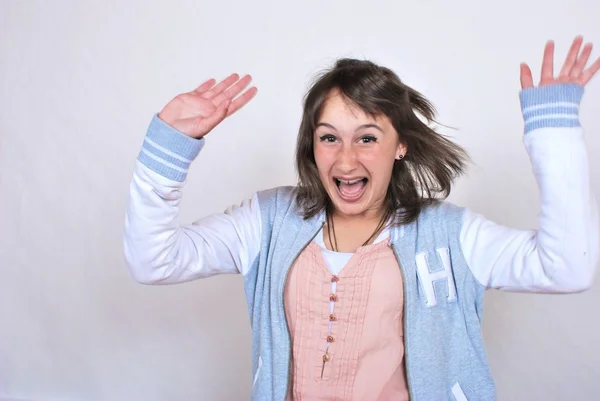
443	213
278	201
438	222
283	195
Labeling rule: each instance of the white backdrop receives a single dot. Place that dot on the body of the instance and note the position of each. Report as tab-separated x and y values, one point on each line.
79	82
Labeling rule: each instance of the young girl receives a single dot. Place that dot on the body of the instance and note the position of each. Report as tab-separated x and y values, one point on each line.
362	283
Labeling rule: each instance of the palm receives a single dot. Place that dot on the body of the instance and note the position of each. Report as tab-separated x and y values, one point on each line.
572	71
197	112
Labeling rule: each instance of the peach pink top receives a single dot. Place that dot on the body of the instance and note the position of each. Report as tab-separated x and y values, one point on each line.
347	329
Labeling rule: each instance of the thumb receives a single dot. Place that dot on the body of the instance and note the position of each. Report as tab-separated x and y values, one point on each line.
210	122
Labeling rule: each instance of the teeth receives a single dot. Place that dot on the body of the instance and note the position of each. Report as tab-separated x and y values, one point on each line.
350	182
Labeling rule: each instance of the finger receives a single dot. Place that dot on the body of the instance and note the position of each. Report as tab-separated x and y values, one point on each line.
242	100
590	72
205	86
571	57
233	91
221	86
207	124
547	75
582	60
526	78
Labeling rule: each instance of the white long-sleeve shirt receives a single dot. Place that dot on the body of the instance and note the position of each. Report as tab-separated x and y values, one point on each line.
560	256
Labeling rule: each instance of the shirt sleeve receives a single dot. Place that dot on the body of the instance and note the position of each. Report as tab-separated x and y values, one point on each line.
160	250
561	255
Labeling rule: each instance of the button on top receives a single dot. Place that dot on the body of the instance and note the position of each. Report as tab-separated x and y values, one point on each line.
330	339
332	317
326	358
335	279
333	297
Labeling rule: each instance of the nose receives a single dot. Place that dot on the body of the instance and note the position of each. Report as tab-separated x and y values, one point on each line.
347	159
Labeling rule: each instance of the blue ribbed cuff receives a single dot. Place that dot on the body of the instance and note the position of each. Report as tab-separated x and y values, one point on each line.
167	151
555	105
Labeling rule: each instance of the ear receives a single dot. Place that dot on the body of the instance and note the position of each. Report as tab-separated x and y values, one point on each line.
401	151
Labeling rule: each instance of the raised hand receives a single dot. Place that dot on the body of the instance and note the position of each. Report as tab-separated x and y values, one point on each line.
197	112
572	71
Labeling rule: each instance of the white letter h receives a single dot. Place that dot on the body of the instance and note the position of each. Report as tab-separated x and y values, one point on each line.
427	278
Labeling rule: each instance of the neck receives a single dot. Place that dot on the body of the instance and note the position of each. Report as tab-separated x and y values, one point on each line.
366	217
346	233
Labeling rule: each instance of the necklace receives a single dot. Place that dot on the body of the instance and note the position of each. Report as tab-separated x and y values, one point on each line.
331	231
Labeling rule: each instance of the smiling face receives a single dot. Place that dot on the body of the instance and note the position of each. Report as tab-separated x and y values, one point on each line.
355	154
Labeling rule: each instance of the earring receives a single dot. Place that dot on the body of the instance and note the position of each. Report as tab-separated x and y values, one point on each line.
400	157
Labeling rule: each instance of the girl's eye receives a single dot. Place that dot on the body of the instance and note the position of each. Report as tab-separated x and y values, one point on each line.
368	139
327	138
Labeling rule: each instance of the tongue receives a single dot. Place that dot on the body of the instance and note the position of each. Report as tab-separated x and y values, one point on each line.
352	189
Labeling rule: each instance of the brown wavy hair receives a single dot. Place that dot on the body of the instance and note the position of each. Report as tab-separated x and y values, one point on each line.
432	162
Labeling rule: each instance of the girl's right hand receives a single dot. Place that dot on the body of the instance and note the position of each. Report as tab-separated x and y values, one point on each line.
197	112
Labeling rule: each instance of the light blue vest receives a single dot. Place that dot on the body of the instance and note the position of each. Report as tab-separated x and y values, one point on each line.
443	341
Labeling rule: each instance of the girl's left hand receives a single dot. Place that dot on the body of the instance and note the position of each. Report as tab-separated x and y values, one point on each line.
573	69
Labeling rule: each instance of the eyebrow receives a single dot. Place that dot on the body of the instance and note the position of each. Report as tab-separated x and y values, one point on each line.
359	128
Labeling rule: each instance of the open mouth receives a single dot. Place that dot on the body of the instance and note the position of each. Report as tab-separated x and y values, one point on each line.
351	190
